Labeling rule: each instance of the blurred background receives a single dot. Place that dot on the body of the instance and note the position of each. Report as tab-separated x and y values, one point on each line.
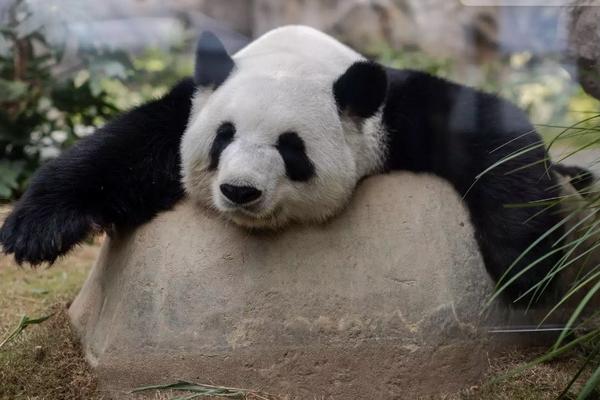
66	66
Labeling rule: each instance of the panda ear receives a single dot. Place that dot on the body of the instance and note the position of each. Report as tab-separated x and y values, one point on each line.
360	91
213	64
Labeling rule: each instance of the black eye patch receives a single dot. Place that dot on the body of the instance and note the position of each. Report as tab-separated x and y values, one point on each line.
224	136
298	166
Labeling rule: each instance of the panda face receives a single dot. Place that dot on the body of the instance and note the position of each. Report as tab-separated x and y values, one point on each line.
282	133
265	151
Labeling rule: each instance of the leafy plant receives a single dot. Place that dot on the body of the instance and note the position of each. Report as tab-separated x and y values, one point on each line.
49	99
149	75
40	113
414	59
579	267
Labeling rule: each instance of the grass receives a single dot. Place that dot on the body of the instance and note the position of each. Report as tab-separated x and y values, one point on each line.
542	382
194	391
45	361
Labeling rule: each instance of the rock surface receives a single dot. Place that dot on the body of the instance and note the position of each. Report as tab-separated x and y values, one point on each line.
384	301
584	46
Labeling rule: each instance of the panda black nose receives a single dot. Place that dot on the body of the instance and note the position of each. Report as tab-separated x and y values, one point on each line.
240	194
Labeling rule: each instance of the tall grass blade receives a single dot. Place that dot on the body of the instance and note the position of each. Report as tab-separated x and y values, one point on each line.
551	354
580	307
23	324
567	129
584	365
591	386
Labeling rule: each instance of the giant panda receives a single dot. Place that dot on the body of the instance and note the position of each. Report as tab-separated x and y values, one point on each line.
281	133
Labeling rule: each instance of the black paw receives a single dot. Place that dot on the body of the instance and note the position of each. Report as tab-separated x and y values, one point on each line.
41	233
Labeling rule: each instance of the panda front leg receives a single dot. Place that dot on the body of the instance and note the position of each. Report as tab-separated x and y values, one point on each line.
120	176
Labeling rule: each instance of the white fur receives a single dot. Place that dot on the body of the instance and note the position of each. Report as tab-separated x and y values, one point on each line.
282	82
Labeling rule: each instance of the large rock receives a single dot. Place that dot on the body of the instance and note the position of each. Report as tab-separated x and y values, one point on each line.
444	28
584	46
384	301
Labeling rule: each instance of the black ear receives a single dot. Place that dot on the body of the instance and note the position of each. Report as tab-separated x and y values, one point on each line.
360	91
213	64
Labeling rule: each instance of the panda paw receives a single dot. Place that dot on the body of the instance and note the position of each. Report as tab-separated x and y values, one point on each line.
40	234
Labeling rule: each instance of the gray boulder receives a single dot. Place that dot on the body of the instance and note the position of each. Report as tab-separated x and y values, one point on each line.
385	301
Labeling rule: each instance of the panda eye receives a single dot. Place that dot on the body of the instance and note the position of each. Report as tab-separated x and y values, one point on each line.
298	166
222	139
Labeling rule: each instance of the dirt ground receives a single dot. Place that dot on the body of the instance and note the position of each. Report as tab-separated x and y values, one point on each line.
45	361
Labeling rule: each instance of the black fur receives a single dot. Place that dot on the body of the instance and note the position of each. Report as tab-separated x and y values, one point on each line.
223	138
213	64
298	166
122	176
360	91
457	133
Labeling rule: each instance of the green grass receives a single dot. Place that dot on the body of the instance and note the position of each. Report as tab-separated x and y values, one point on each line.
44	361
541	382
24	291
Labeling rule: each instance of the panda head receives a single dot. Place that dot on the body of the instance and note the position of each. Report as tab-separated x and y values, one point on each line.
279	139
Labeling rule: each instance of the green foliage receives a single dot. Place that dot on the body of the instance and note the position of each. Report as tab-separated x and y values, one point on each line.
150	75
414	59
45	105
10	171
583	262
40	114
544	89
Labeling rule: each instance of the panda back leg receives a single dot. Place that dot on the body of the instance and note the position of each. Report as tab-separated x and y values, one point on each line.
518	264
519	240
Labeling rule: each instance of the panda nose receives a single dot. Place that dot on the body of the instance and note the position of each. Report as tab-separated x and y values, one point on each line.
240	194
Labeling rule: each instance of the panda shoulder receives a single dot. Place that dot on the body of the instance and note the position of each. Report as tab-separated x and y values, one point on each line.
460	98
